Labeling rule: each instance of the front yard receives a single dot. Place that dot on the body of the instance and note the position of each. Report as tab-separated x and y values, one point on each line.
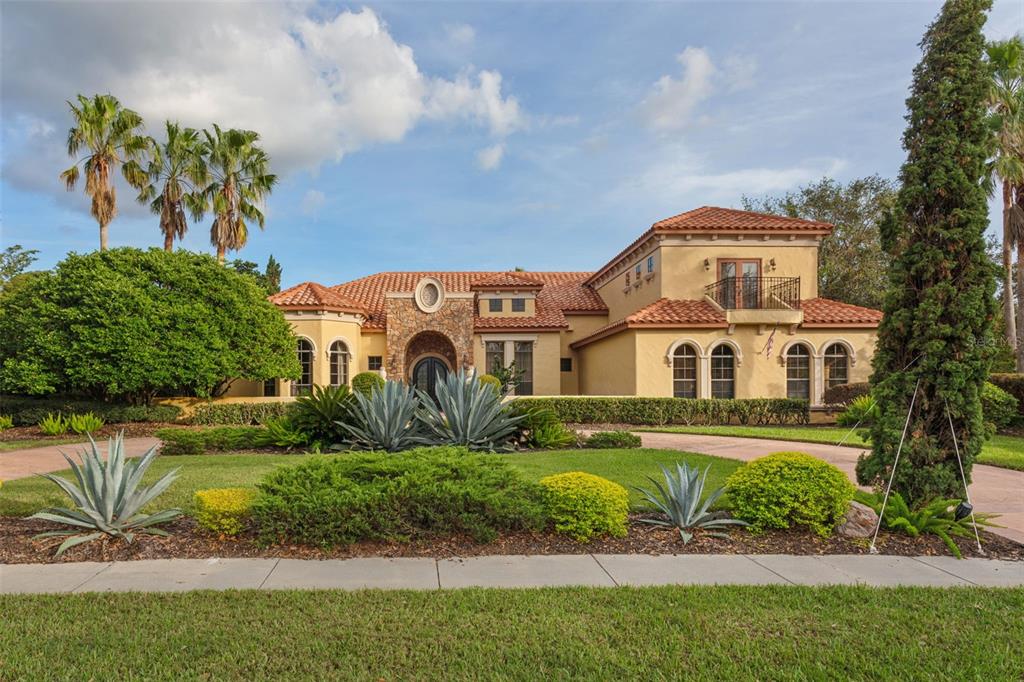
555	633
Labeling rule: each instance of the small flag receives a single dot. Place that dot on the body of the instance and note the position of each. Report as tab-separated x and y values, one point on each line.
771	343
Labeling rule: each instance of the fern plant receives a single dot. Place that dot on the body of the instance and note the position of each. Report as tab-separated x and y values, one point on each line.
468	412
6	422
85	423
386	420
282	432
680	500
53	424
107	498
937	517
863	410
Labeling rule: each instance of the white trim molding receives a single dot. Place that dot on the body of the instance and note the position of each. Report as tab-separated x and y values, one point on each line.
732	344
842	342
421	286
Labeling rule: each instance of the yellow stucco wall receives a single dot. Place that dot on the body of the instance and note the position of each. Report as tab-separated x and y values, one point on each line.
546	354
580	326
323	330
609	366
484	305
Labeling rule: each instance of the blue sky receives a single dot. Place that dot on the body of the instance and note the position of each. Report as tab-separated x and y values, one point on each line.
449	135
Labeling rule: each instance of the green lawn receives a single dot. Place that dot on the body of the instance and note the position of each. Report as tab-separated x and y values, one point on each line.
8	445
628	467
1001	451
655	633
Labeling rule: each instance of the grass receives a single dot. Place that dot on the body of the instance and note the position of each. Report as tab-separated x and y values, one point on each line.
1001	451
25	444
705	633
628	467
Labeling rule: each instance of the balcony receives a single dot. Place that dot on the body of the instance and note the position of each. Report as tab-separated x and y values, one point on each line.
757	300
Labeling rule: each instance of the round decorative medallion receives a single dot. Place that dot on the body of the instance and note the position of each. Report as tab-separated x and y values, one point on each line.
429	294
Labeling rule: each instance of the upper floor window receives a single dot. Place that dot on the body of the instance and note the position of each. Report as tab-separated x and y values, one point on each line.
650	264
494	305
837	365
638	270
339	363
723	372
304	350
798	372
519	305
684	372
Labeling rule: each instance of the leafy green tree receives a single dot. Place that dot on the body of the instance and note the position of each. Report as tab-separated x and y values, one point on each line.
111	136
851	264
240	181
128	324
15	260
935	339
176	173
273	275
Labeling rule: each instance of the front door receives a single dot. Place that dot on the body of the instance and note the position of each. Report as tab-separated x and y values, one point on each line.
427	373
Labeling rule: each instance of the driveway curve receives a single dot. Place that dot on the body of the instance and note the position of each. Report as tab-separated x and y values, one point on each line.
25	463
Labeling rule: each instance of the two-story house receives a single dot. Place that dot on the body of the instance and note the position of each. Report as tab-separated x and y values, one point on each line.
711	303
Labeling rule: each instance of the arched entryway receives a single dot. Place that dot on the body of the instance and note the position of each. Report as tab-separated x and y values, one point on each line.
426	374
429	356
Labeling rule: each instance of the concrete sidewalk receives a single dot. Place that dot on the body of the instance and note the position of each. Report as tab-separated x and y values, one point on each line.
602	570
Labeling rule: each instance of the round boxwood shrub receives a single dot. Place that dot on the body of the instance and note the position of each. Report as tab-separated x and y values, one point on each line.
583	505
367	382
998	406
609	440
492	381
223	510
790	489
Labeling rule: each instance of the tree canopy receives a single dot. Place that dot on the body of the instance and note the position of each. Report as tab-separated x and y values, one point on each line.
130	324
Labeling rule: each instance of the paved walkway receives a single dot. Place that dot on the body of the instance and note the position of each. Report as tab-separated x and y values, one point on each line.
25	463
602	570
994	490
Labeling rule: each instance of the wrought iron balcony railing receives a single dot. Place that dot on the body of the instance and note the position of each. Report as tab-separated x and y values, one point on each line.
755	293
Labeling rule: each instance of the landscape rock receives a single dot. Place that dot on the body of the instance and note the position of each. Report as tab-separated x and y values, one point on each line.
859	521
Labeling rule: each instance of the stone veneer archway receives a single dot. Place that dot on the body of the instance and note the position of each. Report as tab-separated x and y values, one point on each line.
452	322
433	344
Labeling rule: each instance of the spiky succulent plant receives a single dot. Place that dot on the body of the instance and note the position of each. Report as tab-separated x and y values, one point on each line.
679	500
469	412
386	420
108	497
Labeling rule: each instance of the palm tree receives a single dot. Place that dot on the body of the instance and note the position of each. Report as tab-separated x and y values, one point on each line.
1006	104
111	136
176	174
239	181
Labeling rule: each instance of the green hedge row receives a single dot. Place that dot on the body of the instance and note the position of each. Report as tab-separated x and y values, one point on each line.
202	441
1012	384
844	394
661	411
244	414
30	411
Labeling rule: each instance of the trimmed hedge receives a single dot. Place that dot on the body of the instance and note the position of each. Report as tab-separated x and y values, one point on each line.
223	510
30	411
661	411
583	505
612	440
217	439
245	414
1012	384
367	382
845	394
999	407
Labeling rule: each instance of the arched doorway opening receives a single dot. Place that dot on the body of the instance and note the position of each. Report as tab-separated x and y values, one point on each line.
429	357
426	374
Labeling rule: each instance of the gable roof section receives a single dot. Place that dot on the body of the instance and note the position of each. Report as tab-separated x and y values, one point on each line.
665	313
715	220
505	280
823	312
559	292
313	296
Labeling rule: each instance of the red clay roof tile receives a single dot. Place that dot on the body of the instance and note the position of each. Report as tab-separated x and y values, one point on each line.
313	296
823	312
505	280
715	219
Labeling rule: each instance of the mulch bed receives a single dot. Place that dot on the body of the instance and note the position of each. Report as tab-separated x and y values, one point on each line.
189	542
131	430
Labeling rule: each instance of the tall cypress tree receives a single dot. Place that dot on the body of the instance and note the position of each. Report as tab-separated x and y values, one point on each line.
940	302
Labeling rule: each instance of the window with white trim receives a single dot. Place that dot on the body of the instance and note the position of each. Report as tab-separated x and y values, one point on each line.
494	356
339	363
723	372
684	371
798	372
304	350
837	365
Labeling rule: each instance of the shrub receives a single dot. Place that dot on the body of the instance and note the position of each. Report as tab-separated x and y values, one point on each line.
468	412
540	427
607	440
223	510
6	422
862	410
30	411
583	505
661	411
790	488
424	493
492	381
365	383
387	420
1012	384
844	394
85	423
998	406
178	441
217	414
319	415
53	425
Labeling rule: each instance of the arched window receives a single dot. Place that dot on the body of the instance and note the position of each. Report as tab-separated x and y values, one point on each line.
339	364
305	354
837	365
684	372
723	372
798	372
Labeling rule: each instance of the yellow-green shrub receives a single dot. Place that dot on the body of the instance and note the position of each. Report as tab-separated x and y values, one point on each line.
790	488
583	505
223	510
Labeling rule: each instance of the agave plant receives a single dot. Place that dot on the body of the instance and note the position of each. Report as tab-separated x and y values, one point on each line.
386	420
468	412
679	500
108	498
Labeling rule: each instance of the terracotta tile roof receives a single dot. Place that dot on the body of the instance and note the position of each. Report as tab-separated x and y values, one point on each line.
505	280
823	312
561	291
313	296
714	219
663	313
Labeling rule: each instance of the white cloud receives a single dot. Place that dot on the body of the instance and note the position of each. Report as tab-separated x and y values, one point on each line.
312	201
316	88
738	71
489	158
460	34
